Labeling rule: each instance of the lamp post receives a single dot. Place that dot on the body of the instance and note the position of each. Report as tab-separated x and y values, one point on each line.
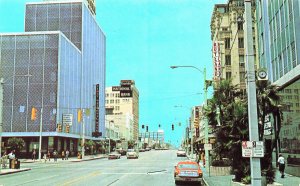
251	89
110	121
1	105
205	104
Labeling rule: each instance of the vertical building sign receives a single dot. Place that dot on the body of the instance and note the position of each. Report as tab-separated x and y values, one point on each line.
217	60
97	110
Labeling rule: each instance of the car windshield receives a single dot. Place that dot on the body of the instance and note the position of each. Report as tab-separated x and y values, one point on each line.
130	150
188	166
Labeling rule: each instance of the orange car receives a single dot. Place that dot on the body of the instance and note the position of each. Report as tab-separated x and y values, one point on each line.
187	171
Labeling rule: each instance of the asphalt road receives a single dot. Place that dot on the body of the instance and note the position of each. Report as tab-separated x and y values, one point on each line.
153	168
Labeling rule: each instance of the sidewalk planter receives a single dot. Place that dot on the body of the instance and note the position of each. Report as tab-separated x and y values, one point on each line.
220	171
264	183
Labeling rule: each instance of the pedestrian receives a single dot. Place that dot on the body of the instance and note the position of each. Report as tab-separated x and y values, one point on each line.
4	160
63	155
33	156
55	155
48	155
11	157
281	164
45	157
67	154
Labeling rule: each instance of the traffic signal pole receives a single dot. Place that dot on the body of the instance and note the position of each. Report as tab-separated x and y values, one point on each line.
41	131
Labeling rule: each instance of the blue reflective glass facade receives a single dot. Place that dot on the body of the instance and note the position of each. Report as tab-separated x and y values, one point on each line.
63	49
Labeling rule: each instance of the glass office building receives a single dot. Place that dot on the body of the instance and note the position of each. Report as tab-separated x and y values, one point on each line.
63	51
279	41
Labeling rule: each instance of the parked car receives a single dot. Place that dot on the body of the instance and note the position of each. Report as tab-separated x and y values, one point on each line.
142	150
181	153
131	153
147	149
114	155
187	171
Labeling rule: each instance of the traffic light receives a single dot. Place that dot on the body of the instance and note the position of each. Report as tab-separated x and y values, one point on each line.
146	128
172	126
159	126
33	114
143	126
79	115
67	128
59	127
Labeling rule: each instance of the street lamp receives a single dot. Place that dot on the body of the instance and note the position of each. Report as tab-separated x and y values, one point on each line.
206	84
1	104
109	121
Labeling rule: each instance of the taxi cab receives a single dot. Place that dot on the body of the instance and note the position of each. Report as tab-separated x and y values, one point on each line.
187	171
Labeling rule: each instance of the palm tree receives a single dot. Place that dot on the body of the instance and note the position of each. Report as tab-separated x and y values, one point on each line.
234	126
268	99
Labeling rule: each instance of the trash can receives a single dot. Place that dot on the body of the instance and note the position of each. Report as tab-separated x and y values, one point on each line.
13	164
17	164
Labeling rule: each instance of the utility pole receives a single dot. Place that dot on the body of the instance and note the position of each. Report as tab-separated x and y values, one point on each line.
251	89
1	121
41	131
83	134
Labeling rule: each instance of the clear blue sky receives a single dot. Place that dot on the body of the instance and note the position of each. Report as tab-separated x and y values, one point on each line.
144	38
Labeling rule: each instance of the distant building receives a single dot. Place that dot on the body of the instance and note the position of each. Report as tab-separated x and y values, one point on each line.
122	106
63	49
227	35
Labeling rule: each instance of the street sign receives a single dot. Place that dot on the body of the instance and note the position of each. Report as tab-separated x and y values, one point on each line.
208	146
68	119
258	149
252	149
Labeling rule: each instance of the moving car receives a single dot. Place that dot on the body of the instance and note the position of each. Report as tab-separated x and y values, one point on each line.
187	171
114	155
181	153
131	153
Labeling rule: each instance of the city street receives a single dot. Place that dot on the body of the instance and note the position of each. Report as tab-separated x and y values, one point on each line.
152	168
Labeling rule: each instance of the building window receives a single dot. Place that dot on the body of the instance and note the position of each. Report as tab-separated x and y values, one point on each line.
228	75
296	91
241	60
242	76
293	54
290	10
227	43
112	101
241	42
261	39
240	25
228	60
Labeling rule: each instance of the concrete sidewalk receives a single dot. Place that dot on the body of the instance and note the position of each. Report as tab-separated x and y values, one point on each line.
289	180
71	159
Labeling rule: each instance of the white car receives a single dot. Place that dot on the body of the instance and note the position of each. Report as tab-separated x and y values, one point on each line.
131	153
181	153
114	155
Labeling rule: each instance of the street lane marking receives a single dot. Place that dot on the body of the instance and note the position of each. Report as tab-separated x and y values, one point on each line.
81	178
44	178
113	182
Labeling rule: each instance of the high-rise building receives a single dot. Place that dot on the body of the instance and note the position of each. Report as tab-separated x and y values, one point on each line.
227	35
63	51
279	41
122	106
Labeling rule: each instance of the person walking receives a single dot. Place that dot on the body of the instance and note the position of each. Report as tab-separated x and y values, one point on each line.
48	155
55	155
33	156
281	164
67	154
4	160
63	155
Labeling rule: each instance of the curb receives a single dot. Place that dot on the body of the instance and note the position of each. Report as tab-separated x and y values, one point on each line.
205	183
90	159
12	172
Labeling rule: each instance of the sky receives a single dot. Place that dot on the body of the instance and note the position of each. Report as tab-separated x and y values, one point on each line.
143	39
